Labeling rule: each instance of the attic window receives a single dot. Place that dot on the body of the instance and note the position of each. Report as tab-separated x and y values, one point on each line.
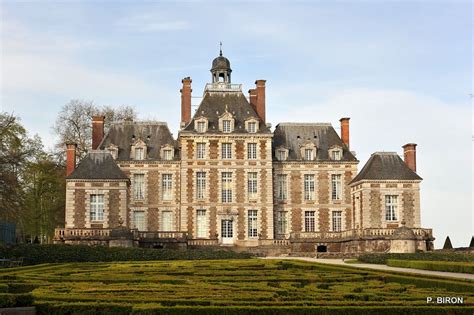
167	155
252	127
139	154
200	125
336	155
226	126
281	154
308	154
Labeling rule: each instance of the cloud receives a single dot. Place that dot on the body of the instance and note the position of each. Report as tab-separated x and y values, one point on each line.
152	22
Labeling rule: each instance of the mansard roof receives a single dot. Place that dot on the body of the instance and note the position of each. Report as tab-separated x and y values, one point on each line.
98	165
294	135
124	134
385	166
214	104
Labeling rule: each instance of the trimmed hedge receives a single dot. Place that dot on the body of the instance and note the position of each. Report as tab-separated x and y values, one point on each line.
462	267
39	254
95	308
16	300
381	258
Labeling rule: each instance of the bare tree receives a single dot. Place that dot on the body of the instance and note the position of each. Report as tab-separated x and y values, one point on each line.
74	123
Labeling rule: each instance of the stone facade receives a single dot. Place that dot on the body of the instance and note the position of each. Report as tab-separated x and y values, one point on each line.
228	180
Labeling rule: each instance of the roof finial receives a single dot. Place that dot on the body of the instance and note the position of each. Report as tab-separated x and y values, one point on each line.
220	52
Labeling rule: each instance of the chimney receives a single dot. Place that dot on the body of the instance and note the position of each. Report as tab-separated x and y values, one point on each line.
186	101
409	154
345	130
70	158
97	131
253	98
260	105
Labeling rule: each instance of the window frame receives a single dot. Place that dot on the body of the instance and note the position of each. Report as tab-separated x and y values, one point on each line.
282	187
226	150
97	207
200	150
166	187
201	224
200	185
252	148
252	185
310	221
139	186
309	187
391	208
252	221
336	187
226	187
336	221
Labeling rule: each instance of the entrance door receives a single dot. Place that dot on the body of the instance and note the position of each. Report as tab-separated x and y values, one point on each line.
227	232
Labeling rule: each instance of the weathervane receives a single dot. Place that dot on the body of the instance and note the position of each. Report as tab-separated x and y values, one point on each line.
220	44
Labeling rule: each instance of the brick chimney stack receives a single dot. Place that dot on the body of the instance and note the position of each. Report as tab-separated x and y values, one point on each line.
345	130
70	158
409	154
97	131
186	101
253	98
260	105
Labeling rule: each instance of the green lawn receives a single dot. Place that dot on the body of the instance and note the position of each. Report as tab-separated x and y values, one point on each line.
238	286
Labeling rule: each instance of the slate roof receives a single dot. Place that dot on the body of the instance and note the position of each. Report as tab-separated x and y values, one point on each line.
214	104
98	165
385	166
154	133
293	135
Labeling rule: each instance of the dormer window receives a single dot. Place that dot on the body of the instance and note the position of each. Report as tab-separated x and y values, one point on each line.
335	153
281	154
113	149
138	150
226	122
200	125
167	152
167	155
251	125
226	126
308	151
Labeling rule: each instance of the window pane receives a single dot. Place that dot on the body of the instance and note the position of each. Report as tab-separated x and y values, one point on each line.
282	187
139	186
391	207
281	222
336	187
201	223
201	151
309	221
252	151
337	221
226	194
252	185
200	185
227	150
139	220
166	221
96	207
167	186
308	187
252	223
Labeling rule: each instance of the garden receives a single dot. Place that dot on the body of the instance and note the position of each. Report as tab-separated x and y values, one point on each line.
227	286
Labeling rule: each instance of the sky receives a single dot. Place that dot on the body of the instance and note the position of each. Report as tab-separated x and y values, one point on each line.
402	70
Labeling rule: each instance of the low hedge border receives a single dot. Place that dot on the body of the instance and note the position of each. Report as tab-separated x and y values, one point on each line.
462	267
381	258
117	309
57	253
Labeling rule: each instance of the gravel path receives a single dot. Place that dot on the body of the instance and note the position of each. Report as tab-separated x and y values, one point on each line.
456	275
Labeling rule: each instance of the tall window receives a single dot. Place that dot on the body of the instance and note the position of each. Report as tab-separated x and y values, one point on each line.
200	185
309	221
308	154
226	187
167	221
252	127
201	150
252	217
139	220
336	155
167	186
336	186
282	187
97	207
391	207
281	222
167	155
337	221
201	223
252	185
138	186
226	126
227	150
139	154
308	187
252	151
201	126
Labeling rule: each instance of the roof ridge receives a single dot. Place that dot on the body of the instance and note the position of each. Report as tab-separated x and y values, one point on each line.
303	124
139	122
